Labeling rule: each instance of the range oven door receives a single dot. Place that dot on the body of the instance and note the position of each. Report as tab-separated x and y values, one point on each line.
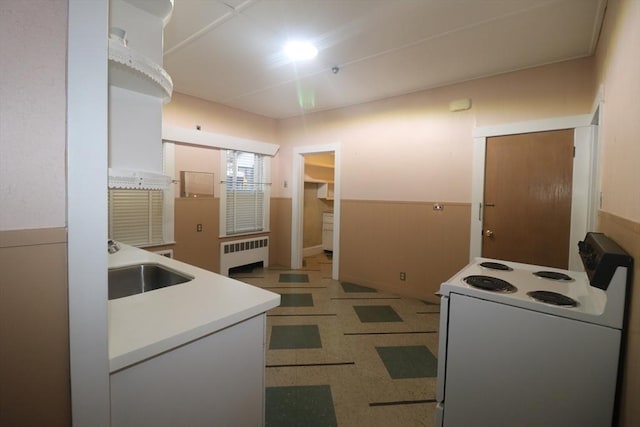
507	366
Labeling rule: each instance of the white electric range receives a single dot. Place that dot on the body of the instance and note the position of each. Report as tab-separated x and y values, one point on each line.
526	345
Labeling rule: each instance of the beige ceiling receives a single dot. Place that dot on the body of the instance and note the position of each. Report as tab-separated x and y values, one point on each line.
229	51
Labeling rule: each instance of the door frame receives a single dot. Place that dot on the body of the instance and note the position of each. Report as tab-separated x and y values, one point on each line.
583	214
297	204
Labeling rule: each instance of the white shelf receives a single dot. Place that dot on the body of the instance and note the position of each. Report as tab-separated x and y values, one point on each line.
319	164
316	181
137	180
131	70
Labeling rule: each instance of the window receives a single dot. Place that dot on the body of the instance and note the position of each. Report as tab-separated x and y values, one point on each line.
244	208
135	216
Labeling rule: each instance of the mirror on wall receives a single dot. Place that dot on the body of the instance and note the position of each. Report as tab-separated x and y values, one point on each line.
196	184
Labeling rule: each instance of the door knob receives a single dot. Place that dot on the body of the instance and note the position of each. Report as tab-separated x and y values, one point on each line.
488	233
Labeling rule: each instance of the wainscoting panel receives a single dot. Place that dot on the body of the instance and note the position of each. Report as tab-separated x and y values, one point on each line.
380	239
34	328
199	248
627	234
280	223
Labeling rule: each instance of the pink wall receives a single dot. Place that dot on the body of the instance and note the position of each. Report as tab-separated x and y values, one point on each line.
197	159
618	67
618	71
413	148
409	147
32	132
188	112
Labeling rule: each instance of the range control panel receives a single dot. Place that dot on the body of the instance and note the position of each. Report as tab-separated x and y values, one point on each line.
601	256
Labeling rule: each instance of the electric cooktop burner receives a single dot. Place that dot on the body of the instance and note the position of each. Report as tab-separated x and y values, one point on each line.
489	283
495	266
553	275
553	298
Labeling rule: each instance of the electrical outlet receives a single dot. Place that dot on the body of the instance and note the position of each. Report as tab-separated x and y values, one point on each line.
403	276
199	228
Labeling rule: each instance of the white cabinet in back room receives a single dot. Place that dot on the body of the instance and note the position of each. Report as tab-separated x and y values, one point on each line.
327	231
325	190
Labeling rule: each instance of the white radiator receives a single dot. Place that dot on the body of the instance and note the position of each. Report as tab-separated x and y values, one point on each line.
165	252
242	252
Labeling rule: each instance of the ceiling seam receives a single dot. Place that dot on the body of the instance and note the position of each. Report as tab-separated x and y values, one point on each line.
597	25
447	33
420	89
396	49
212	25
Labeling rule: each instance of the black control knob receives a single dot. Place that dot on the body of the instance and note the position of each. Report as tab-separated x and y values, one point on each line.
584	248
588	255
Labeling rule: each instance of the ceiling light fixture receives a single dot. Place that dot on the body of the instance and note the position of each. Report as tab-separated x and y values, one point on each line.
300	51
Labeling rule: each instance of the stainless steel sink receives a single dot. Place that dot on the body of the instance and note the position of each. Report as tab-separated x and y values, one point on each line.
139	278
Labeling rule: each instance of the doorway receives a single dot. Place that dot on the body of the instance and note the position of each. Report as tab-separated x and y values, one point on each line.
317	222
297	214
583	192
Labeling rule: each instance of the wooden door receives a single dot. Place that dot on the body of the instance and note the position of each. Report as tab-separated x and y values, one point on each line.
527	198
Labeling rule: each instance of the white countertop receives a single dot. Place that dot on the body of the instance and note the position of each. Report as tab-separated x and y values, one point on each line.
145	325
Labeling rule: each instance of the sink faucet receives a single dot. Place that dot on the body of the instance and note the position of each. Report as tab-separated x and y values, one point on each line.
112	247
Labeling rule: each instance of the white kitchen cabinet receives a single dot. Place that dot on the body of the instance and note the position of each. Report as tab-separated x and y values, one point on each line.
217	380
138	85
325	190
327	231
192	354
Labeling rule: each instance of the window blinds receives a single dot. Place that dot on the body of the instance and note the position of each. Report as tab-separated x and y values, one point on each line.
135	216
245	192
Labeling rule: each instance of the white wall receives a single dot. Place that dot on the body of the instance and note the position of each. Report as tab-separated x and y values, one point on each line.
135	130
